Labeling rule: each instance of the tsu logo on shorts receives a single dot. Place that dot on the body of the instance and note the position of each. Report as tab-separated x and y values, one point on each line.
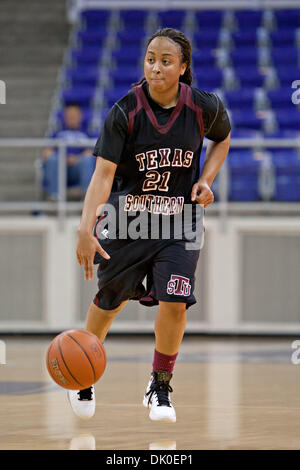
179	285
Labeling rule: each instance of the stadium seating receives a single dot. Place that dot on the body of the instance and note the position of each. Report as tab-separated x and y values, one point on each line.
249	57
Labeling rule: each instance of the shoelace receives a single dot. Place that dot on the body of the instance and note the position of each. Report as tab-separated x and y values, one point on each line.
85	394
161	389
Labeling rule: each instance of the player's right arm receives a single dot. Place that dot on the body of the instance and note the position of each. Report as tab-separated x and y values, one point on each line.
96	196
109	146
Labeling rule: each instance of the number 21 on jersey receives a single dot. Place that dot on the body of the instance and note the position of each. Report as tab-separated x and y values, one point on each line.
154	180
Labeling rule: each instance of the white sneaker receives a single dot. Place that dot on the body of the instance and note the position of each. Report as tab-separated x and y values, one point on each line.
83	402
157	397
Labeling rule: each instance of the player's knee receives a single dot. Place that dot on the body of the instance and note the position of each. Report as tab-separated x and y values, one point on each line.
176	309
112	313
179	312
107	314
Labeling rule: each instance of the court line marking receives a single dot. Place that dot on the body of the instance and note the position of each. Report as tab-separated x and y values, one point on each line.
206	406
137	405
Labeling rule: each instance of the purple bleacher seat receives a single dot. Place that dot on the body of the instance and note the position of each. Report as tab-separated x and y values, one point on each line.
244	56
134	20
284	134
245	119
285	55
249	76
243	98
244	133
128	55
248	19
206	38
280	98
84	57
208	84
131	37
93	19
244	38
283	37
81	95
209	19
244	175
113	95
287	18
133	16
287	74
287	172
210	77
125	77
91	38
171	18
288	119
209	72
87	76
203	58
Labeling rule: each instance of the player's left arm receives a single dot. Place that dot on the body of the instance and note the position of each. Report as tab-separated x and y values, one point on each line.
216	154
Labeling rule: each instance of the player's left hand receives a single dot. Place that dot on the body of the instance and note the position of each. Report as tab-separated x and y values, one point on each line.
202	193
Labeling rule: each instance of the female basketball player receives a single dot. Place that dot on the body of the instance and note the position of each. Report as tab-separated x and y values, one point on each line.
148	163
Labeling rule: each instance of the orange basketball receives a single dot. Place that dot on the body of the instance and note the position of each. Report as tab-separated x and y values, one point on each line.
76	359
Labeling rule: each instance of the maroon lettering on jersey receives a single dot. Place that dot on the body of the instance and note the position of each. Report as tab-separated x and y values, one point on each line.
164	161
151	159
188	157
140	158
179	285
177	161
129	199
143	199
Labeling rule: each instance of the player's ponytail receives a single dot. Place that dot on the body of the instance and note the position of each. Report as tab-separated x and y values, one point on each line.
186	52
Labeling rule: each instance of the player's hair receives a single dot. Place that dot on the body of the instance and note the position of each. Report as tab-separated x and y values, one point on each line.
186	52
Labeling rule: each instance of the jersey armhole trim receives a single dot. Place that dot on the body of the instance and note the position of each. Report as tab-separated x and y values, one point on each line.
122	111
218	105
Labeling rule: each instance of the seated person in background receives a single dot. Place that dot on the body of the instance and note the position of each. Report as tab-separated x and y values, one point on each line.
80	162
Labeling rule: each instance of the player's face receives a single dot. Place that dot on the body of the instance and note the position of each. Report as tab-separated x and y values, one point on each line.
163	64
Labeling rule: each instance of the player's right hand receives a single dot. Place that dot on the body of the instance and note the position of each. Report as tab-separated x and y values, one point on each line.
87	246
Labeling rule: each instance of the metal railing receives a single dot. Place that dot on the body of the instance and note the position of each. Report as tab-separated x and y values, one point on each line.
61	206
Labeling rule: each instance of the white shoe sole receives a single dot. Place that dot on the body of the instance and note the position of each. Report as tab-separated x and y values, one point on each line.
153	417
83	417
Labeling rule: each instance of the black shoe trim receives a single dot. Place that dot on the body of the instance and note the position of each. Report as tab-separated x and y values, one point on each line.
85	395
160	385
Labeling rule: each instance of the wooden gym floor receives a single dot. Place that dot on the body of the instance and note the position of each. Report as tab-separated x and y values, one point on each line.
228	394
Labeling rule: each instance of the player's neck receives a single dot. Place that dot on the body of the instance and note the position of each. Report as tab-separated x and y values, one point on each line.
166	99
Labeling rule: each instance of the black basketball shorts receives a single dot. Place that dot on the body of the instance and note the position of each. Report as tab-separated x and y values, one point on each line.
169	269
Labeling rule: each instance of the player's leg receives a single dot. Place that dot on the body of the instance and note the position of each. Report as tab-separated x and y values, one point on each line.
173	284
117	283
169	330
98	320
171	317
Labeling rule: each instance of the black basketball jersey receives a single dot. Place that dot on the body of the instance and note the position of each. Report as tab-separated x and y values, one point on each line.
158	150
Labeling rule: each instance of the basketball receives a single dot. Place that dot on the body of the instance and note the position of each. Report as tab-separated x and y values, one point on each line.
76	359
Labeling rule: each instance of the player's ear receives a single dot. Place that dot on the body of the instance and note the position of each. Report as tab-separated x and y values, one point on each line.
183	69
